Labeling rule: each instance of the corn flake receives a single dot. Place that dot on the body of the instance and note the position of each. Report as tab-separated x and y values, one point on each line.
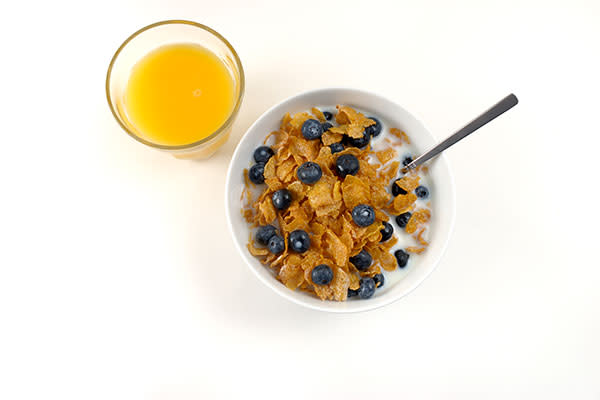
419	238
354	191
417	250
321	194
336	249
400	135
402	203
418	218
332	136
256	251
386	155
292	276
408	182
318	113
268	210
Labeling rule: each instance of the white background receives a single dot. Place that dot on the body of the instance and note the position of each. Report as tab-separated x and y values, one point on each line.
119	279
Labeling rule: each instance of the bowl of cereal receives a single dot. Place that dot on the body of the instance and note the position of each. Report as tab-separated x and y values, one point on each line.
319	210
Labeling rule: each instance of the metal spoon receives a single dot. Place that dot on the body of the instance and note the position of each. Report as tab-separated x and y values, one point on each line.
497	109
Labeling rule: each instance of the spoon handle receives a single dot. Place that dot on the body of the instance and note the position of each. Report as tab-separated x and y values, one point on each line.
495	111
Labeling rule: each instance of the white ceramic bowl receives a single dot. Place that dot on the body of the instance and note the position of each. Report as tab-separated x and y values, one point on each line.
443	198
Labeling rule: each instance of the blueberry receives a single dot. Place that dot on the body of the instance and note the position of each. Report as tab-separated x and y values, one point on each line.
362	261
336	147
299	241
422	192
346	164
282	199
264	233
276	244
402	219
396	190
327	115
360	142
367	288
401	258
363	215
352	292
321	274
262	154
309	172
312	129
374	130
407	160
257	173
326	126
387	231
379	280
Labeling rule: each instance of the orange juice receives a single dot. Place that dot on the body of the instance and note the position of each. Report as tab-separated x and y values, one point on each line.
179	94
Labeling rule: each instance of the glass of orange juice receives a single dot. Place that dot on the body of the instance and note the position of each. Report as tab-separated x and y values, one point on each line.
176	86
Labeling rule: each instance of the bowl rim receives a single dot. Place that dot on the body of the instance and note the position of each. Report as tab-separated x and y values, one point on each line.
284	291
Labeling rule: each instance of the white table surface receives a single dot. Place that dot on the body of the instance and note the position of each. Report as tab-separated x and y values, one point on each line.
118	276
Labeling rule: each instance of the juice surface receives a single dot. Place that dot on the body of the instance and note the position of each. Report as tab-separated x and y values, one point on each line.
179	94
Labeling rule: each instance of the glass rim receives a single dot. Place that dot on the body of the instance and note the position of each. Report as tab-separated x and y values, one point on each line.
223	126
